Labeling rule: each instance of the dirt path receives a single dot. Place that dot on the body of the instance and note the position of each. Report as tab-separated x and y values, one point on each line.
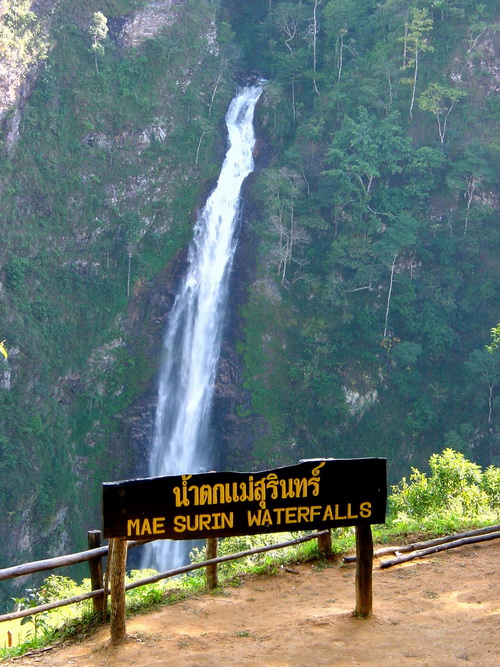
441	611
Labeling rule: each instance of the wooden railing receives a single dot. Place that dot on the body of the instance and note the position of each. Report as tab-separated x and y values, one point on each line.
100	585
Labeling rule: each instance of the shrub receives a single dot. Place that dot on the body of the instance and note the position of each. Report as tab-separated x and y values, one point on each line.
490	484
456	488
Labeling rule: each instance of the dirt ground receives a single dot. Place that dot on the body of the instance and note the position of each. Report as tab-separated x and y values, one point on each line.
442	610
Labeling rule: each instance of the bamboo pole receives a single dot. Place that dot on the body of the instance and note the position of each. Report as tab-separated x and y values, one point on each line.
51	563
440	547
30	611
117	585
403	548
211	576
60	561
364	571
95	566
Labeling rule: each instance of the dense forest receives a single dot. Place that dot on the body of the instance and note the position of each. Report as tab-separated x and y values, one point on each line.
378	216
366	279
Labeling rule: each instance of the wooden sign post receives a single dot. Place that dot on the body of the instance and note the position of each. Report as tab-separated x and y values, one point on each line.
315	494
211	570
364	571
117	565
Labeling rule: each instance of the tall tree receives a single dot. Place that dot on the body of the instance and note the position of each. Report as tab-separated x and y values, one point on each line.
486	366
415	43
312	34
470	177
439	100
340	17
98	31
283	188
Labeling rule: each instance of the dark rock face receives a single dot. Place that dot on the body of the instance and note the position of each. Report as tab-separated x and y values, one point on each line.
251	78
233	441
138	423
146	322
234	423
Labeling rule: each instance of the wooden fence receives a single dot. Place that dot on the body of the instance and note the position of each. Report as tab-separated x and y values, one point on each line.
113	582
102	586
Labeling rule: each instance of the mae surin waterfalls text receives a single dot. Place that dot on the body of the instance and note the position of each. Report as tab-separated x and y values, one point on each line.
325	493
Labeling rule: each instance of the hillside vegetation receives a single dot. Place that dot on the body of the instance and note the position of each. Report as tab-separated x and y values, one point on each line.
368	269
377	229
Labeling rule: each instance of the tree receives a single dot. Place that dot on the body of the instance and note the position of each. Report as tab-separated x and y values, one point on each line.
440	100
282	189
486	367
366	148
340	17
470	175
288	19
312	33
415	43
398	236
98	31
495	339
481	20
290	22
228	55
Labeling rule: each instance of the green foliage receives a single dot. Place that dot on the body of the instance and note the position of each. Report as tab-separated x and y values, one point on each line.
22	39
98	31
40	627
440	100
495	339
256	563
490	483
401	242
15	271
144	597
456	488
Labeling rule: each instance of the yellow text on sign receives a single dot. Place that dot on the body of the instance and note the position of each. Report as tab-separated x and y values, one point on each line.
141	527
291	515
216	521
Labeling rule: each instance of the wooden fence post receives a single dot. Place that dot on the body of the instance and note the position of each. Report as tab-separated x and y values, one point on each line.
211	570
117	567
325	544
364	570
95	566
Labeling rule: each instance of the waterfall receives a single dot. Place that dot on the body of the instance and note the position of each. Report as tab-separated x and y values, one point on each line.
193	337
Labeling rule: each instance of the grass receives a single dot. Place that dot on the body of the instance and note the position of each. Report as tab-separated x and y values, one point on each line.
78	622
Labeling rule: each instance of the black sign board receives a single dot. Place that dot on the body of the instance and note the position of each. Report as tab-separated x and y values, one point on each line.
315	494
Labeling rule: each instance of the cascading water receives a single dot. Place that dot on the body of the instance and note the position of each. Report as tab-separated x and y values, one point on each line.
193	337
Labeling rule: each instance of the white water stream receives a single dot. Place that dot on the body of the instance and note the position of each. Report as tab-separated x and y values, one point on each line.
193	337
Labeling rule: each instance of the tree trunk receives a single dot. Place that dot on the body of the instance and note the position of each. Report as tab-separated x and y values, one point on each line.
414	82
393	268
